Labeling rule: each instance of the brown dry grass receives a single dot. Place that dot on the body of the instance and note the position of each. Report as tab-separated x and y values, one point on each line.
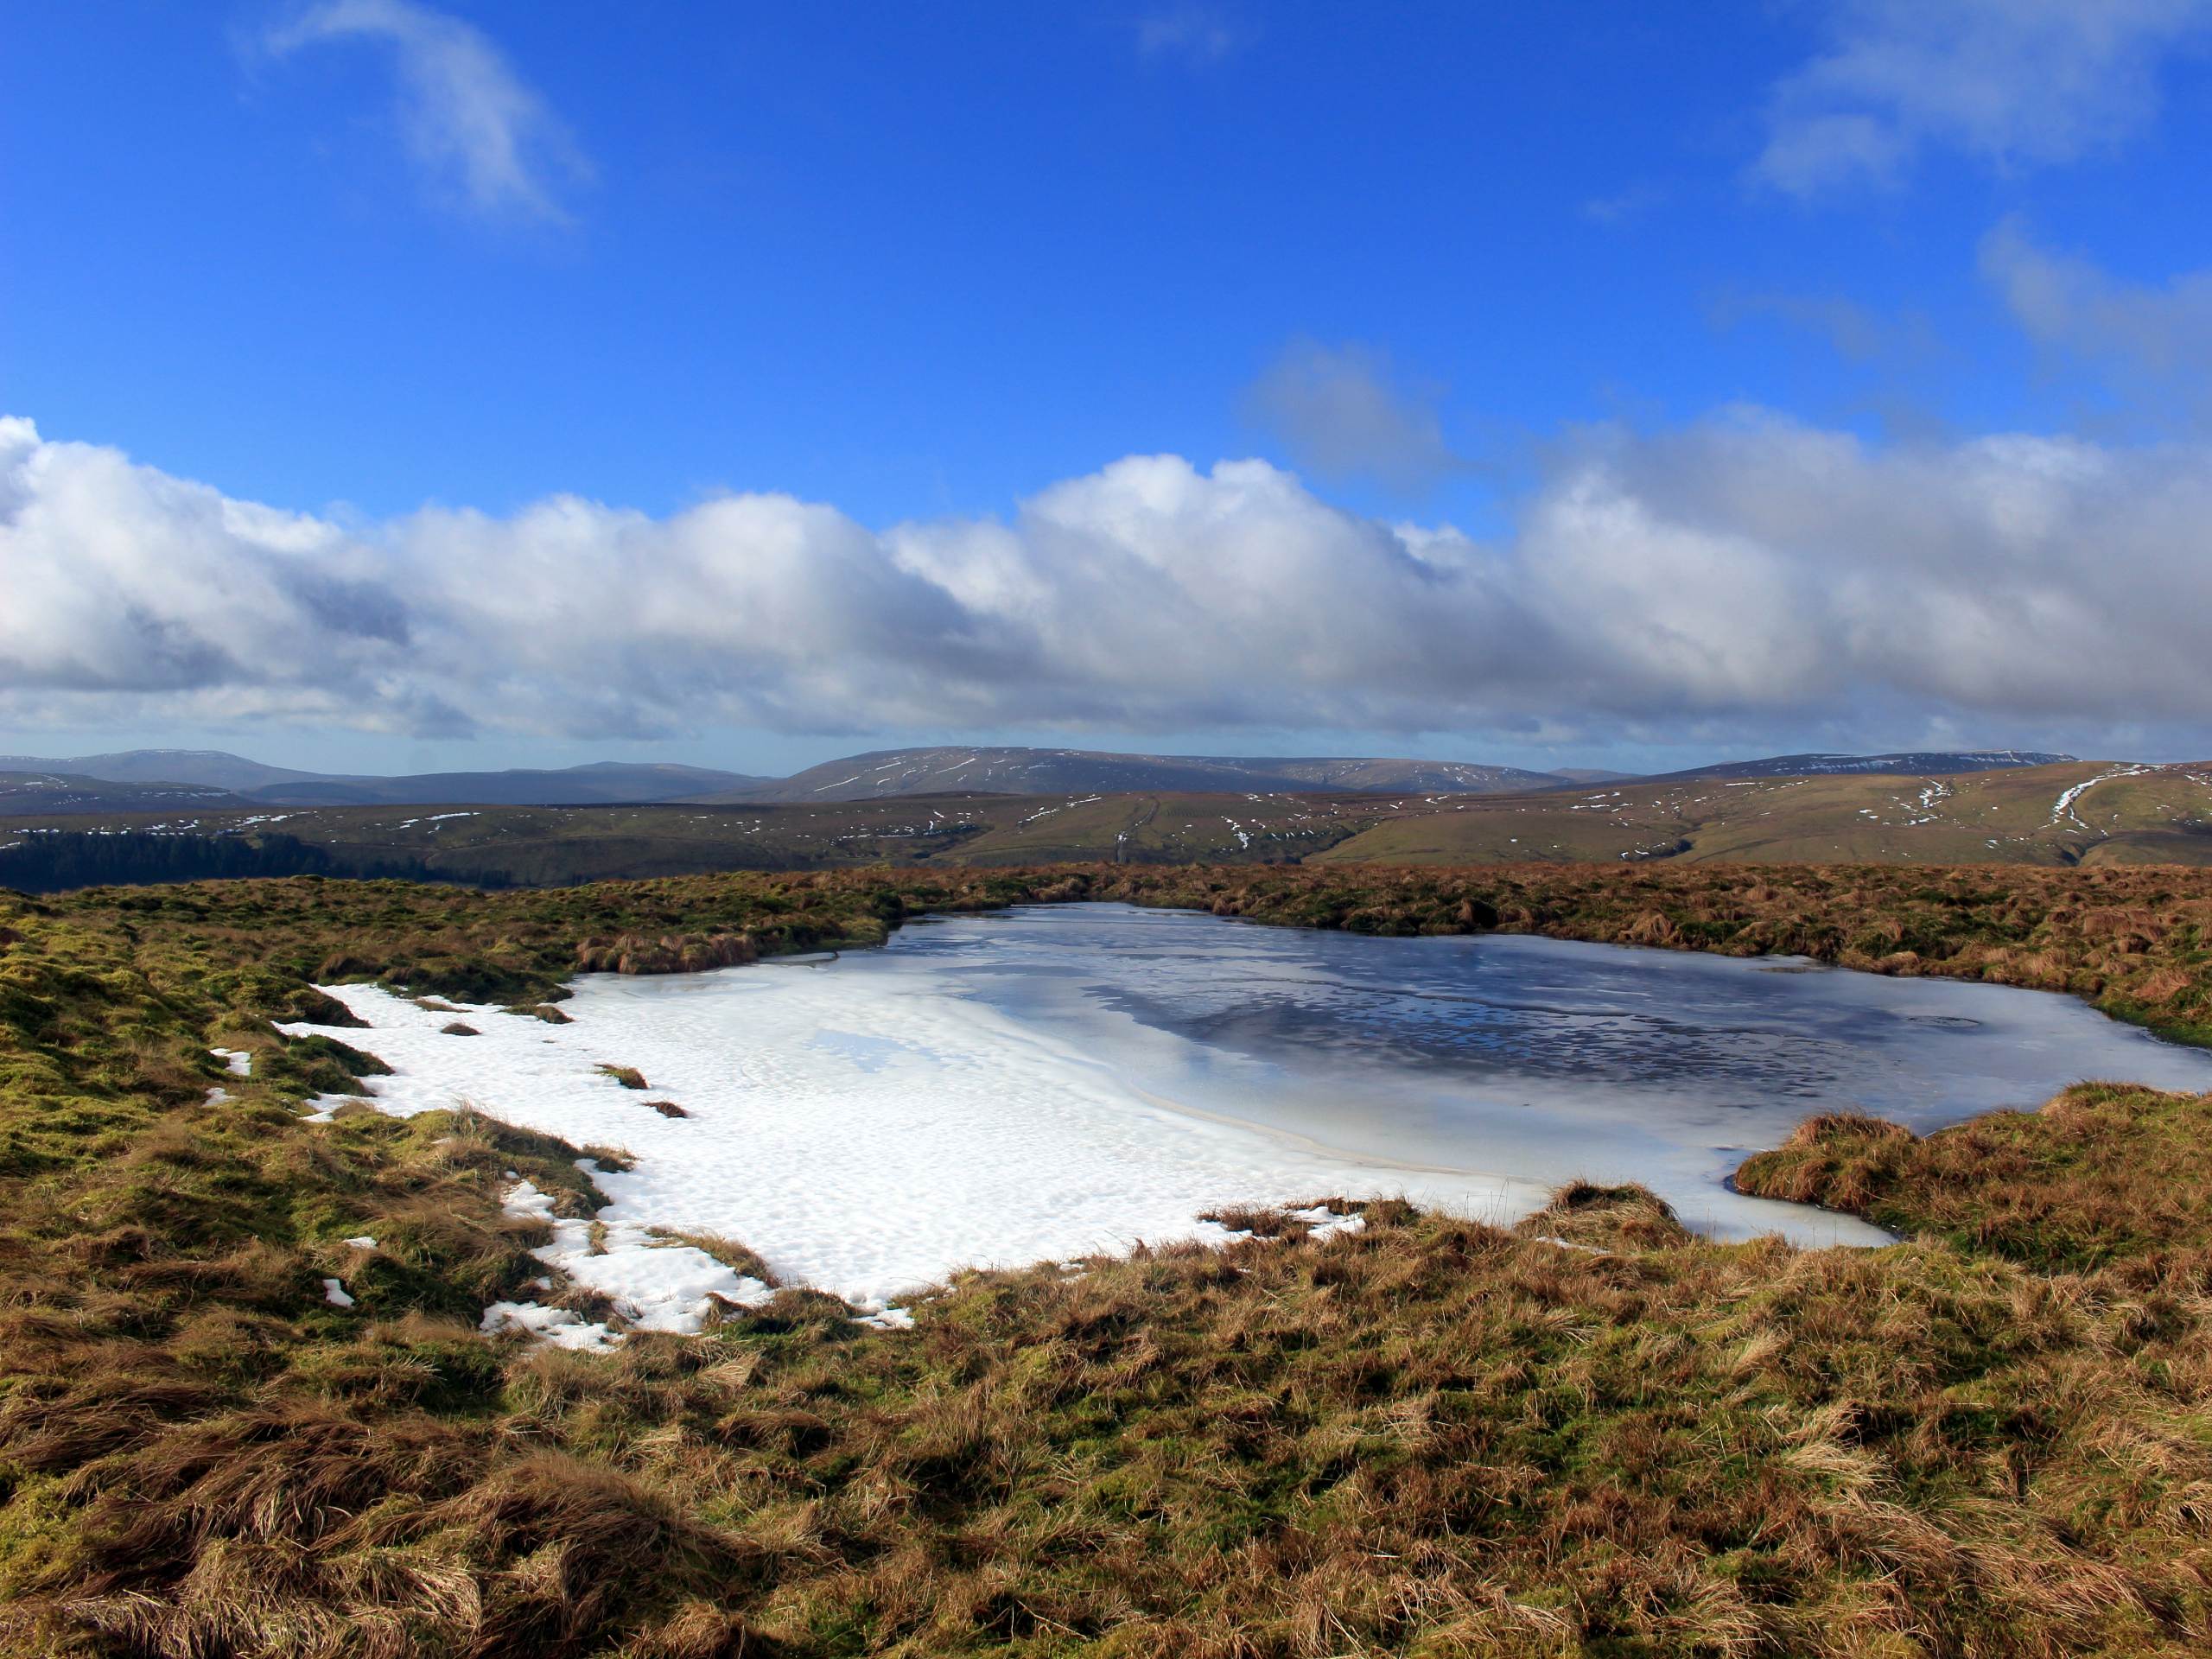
2105	1174
1425	1438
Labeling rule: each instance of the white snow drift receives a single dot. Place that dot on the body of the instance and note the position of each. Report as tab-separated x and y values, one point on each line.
867	1136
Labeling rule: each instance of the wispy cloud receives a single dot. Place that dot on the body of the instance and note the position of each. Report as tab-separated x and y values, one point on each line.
472	123
1341	414
2153	341
1624	206
1195	34
2013	82
1857	333
1746	573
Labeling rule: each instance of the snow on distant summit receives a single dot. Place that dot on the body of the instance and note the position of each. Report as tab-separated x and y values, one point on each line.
1083	772
1913	763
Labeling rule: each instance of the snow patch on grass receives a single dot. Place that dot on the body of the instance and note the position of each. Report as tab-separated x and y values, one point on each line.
866	1136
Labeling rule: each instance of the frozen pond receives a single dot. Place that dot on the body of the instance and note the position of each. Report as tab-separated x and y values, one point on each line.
999	1089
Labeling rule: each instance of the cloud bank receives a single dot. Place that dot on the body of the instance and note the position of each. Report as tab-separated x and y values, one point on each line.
470	121
1746	574
2011	82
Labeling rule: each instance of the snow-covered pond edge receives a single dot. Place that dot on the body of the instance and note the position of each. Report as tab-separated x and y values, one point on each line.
624	1252
872	1130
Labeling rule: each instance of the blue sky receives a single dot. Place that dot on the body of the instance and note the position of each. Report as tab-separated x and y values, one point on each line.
923	264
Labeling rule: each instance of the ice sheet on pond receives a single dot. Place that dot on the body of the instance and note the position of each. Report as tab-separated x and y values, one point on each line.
1052	1082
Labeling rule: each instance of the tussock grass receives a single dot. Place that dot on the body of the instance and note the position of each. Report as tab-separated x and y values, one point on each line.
1275	1221
2105	1174
1428	1437
740	1258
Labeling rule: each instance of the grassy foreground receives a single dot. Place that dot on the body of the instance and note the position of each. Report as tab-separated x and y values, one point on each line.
1427	1437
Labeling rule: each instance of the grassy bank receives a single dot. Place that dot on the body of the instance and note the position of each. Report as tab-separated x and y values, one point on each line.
2105	1174
2136	941
1427	1437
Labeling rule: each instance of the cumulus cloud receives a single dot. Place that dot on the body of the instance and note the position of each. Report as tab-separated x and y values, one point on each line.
2013	82
1748	573
470	120
1343	414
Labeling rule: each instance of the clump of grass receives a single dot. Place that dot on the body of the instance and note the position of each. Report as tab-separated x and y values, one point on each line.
459	1028
1275	1221
2105	1173
547	1013
741	1259
1262	1221
316	1008
628	1076
667	1109
670	953
1595	1217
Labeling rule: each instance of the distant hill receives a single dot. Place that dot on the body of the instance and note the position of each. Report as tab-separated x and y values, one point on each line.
601	783
2072	812
209	768
168	780
606	783
886	772
2077	813
39	793
1932	763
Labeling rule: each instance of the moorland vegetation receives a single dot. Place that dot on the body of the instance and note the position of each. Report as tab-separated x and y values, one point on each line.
2061	816
60	860
1593	1432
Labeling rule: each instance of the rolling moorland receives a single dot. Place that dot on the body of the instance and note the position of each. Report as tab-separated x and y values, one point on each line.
881	774
1592	1433
2071	813
256	783
73	783
888	772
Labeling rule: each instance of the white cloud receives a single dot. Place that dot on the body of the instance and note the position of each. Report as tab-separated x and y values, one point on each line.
2013	82
2143	336
1624	207
1342	415
470	120
1196	34
1746	575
